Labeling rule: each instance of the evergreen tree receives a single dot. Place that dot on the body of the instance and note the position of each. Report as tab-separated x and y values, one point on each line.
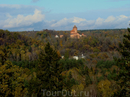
70	75
49	70
123	78
88	80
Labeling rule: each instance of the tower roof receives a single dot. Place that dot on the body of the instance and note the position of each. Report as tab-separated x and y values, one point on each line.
74	26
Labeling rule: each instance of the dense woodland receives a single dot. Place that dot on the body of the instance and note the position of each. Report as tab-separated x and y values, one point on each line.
31	61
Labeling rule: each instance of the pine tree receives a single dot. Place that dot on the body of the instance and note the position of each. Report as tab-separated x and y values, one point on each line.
123	78
49	70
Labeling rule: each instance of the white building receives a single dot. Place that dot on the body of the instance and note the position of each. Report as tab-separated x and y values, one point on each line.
56	36
82	56
75	57
62	57
80	35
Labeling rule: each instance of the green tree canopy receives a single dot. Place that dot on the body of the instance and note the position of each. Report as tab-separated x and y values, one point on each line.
49	70
123	78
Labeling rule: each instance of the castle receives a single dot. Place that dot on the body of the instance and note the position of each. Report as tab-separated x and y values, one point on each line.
73	34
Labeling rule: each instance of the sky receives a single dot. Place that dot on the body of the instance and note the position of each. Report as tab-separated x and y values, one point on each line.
29	15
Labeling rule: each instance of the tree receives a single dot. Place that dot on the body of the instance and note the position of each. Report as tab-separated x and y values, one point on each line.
123	78
88	80
104	88
3	54
49	70
12	80
70	75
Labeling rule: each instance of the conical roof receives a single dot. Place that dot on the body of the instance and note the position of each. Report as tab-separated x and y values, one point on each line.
74	26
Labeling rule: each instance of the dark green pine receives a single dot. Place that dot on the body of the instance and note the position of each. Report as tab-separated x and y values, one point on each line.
49	70
124	65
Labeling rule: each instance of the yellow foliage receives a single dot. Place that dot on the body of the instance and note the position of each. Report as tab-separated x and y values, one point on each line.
42	47
99	75
22	52
88	59
59	55
76	52
105	55
87	46
94	61
81	87
104	88
12	80
92	55
73	91
61	43
2	53
102	55
114	67
107	73
63	73
34	74
90	38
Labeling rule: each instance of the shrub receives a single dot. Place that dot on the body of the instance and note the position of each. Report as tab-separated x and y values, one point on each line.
105	64
100	78
88	80
70	63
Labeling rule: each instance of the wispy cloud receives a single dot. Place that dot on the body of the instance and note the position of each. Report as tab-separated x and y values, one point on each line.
21	20
10	6
26	17
16	9
111	22
37	21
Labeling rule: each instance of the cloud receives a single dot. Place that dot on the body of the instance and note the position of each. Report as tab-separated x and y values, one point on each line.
21	20
66	21
10	6
110	19
8	15
16	9
26	29
110	22
36	21
87	23
113	22
99	21
78	20
62	22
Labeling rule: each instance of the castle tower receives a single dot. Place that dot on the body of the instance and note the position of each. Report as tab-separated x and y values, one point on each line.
73	33
75	28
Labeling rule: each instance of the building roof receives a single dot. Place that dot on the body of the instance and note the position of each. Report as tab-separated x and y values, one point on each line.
56	36
72	31
74	26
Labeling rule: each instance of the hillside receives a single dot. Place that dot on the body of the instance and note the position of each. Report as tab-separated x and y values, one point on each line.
27	59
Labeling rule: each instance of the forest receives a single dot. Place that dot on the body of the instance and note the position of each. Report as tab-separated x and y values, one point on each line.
36	63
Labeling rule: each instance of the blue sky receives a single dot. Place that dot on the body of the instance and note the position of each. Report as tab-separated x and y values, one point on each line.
18	15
